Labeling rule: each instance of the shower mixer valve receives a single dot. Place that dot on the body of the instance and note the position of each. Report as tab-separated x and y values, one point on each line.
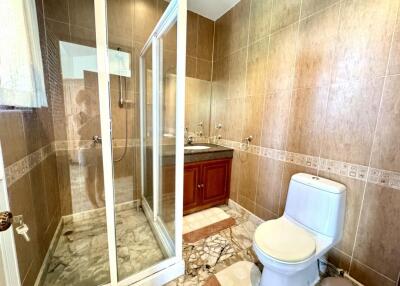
7	219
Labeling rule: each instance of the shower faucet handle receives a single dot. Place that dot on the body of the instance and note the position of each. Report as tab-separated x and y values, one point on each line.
96	139
23	230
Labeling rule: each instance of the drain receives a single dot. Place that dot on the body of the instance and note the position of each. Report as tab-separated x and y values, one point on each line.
68	232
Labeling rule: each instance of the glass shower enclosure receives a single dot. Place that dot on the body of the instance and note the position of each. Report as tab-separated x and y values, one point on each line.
161	142
114	227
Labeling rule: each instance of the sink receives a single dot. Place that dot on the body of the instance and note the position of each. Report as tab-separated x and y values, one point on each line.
197	147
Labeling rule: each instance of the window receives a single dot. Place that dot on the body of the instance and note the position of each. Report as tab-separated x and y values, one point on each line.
21	68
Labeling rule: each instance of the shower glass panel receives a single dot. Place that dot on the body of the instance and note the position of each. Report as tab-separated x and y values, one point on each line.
147	128
167	132
81	254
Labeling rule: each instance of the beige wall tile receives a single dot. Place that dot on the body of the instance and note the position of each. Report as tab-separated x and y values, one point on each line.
248	176
240	25
145	19
20	197
257	68
379	229
33	130
237	73
281	59
364	38
368	276
223	32
354	195
56	10
191	66
316	50
60	30
284	13
204	68
246	203
191	34
252	118
64	182
350	121
235	176
269	184
309	7
394	61
233	118
81	13
339	259
275	119
40	202
386	149
12	137
264	213
307	115
120	17
50	179
260	18
205	42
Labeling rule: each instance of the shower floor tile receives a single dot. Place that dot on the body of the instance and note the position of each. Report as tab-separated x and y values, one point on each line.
81	255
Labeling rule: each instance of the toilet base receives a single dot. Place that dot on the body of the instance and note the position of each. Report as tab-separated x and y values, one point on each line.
306	277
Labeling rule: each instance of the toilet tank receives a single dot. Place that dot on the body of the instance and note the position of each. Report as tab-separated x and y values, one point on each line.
317	203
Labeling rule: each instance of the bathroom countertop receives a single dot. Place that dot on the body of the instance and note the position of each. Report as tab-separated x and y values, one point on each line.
215	152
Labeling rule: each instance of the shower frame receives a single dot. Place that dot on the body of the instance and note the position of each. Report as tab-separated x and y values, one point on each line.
172	267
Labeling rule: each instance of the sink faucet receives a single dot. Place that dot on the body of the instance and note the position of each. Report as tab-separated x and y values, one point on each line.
188	138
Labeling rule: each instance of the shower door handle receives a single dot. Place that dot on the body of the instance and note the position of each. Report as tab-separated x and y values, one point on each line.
6	219
96	139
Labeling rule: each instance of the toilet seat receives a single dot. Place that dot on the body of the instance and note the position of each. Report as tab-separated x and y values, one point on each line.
284	241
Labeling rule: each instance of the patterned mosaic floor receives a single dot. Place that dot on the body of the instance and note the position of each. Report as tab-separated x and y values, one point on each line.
214	253
81	257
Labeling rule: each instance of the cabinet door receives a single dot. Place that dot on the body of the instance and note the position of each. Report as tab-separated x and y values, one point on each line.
191	183
215	181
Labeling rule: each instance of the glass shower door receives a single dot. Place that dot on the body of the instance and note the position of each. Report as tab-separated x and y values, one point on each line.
162	87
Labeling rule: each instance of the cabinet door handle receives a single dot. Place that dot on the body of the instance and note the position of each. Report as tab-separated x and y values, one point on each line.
198	186
202	185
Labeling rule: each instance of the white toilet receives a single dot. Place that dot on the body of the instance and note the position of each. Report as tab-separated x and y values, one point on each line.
289	247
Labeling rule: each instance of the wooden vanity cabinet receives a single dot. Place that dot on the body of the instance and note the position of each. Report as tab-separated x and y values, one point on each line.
206	184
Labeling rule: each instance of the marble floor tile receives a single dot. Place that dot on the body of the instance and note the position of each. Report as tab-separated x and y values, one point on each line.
210	255
81	254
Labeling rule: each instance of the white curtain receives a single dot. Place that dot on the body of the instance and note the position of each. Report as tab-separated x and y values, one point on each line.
21	68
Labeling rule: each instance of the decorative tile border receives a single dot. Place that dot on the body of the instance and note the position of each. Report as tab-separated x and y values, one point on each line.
17	170
360	172
20	168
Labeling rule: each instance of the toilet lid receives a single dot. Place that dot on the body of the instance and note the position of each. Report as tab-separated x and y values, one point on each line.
284	241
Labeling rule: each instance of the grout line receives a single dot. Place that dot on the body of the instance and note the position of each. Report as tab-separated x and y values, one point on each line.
50	250
265	99
197	43
244	96
285	147
374	138
212	81
321	10
333	60
27	272
263	110
373	270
